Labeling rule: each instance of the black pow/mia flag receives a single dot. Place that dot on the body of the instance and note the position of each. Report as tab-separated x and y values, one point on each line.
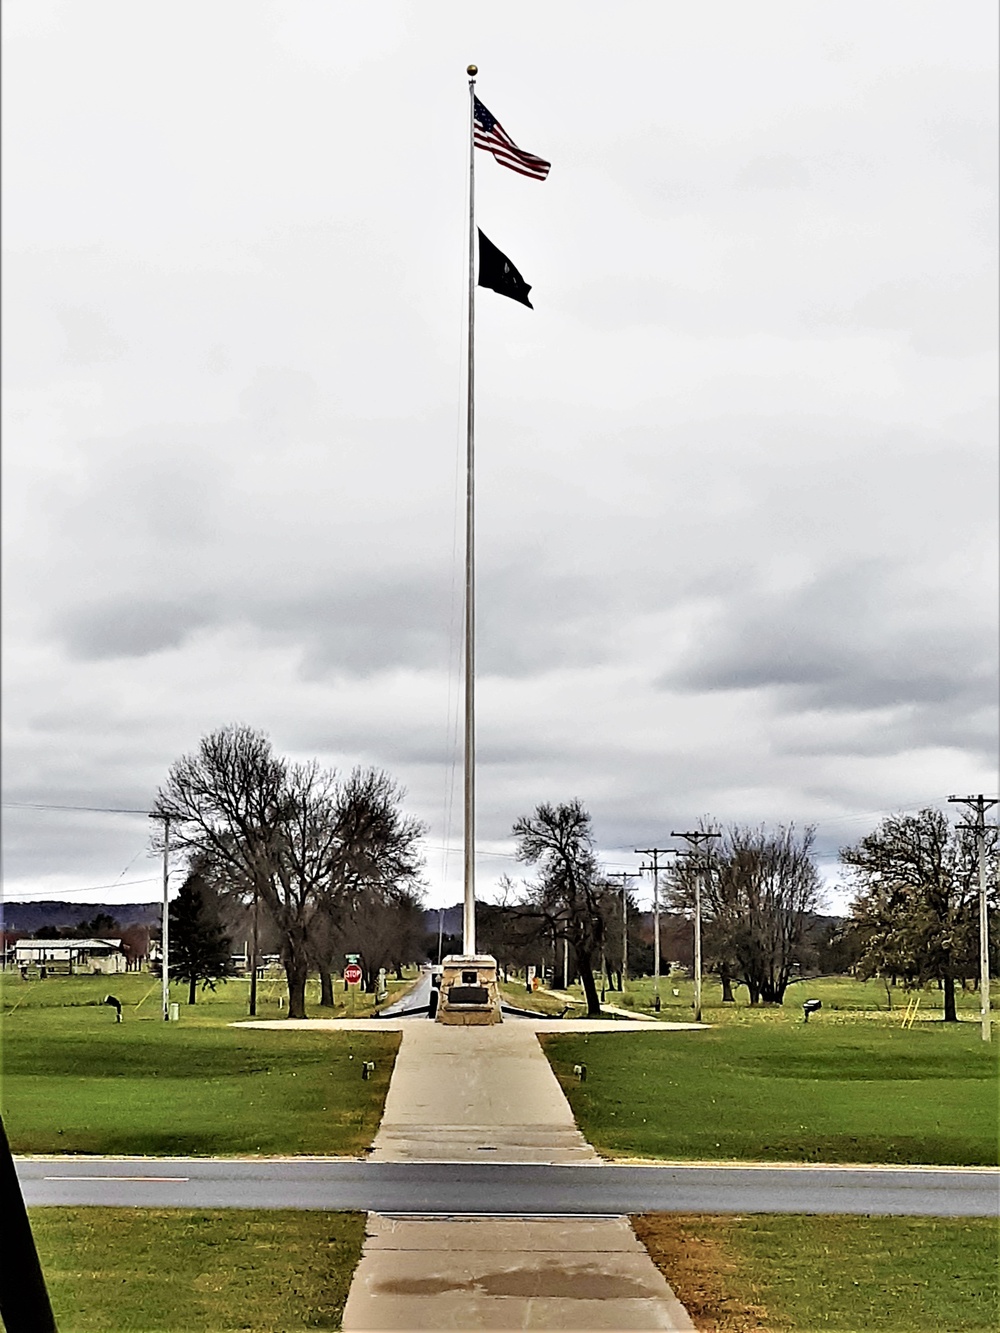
499	274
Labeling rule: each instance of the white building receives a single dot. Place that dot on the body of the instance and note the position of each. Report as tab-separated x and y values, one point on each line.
94	956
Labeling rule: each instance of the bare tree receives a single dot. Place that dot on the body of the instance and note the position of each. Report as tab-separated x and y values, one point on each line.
410	938
614	954
305	847
371	875
384	927
566	901
304	844
233	801
505	931
762	888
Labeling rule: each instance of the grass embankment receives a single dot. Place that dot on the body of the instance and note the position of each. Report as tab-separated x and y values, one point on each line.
849	1274
543	1001
786	1092
75	1081
180	1271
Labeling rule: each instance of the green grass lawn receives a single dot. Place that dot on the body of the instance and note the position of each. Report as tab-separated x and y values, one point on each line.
76	1081
830	1274
136	1270
845	1000
229	1002
786	1092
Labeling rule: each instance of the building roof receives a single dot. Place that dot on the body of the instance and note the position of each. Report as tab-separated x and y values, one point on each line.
71	943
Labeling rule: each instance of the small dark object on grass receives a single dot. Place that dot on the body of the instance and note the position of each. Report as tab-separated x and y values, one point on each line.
810	1007
367	1068
581	1072
111	999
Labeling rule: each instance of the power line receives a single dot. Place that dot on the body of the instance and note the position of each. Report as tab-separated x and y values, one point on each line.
91	809
91	888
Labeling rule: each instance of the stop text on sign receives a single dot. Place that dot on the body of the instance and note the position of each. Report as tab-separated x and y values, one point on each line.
352	974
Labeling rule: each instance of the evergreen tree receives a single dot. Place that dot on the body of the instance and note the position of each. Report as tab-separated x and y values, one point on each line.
102	925
200	950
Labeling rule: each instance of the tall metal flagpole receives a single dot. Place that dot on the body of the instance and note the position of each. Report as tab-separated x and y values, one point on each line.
469	909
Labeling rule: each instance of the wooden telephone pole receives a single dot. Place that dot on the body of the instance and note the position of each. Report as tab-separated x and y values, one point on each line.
977	806
624	876
656	853
696	839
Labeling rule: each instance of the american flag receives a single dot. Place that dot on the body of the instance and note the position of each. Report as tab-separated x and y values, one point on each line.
488	133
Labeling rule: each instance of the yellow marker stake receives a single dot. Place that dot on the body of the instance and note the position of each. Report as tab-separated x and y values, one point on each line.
147	995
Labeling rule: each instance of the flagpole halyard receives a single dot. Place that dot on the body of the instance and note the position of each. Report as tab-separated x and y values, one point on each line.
469	766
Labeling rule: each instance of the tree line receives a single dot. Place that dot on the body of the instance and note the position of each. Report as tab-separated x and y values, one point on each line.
761	890
914	915
326	865
331	864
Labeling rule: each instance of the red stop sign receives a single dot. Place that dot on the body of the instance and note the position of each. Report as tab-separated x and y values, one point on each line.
352	974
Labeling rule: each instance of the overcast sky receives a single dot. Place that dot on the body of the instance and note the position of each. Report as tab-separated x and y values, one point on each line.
737	480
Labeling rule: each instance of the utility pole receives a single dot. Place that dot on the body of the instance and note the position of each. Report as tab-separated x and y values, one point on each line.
978	805
624	876
695	840
656	853
165	919
256	947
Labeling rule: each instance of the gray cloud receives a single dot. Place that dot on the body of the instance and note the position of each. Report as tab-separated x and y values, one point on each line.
124	628
736	470
842	640
532	620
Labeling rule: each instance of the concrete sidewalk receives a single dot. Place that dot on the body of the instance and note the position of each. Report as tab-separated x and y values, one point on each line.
476	1094
508	1273
462	1094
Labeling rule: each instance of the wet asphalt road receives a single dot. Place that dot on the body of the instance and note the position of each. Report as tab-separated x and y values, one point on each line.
495	1188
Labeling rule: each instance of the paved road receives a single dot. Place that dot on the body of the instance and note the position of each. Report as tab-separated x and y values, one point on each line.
499	1189
418	995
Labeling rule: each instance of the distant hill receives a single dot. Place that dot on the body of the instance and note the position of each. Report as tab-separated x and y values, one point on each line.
34	916
43	915
452	920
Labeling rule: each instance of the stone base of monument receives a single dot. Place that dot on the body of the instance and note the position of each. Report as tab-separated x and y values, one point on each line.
469	992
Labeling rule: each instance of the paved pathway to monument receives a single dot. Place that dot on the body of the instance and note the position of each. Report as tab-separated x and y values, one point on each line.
461	1094
476	1094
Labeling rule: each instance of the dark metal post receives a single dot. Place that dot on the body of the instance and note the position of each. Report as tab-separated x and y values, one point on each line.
24	1299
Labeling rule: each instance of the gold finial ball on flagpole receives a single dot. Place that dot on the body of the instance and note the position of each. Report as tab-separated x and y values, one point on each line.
472	71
